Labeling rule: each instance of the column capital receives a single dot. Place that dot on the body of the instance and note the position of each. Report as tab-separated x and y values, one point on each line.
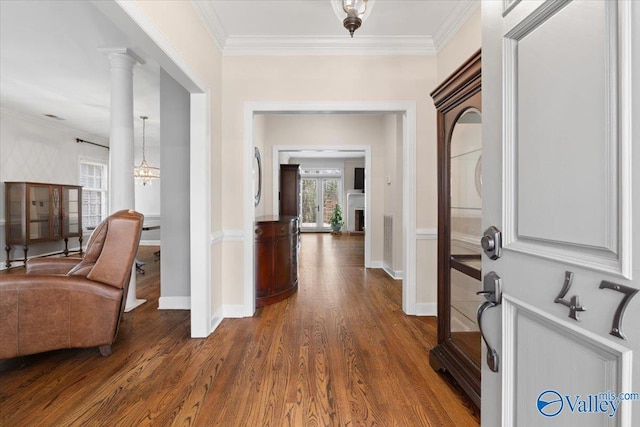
112	52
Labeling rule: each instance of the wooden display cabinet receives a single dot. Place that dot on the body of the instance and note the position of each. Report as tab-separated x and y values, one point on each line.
458	101
37	212
290	190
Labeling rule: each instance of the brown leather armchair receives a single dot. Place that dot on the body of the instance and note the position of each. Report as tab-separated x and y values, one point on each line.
67	303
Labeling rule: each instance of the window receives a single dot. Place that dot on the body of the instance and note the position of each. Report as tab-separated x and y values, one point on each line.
93	178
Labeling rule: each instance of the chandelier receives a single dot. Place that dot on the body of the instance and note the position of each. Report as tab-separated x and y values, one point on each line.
354	10
144	172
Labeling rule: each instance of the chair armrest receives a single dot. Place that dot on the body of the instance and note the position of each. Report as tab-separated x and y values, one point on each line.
51	265
49	312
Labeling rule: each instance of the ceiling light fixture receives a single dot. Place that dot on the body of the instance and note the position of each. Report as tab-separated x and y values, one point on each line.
354	10
144	172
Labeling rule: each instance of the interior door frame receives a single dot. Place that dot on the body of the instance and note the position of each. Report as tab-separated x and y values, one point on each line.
366	149
408	111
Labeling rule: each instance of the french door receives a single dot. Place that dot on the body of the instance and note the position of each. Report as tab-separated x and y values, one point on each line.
319	197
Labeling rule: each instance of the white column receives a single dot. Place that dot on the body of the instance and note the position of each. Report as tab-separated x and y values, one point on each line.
121	181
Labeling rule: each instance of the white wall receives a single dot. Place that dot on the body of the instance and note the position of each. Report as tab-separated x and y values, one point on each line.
42	150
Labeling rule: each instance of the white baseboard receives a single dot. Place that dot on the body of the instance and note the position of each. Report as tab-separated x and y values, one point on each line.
233	311
149	242
426	309
395	275
174	303
376	264
215	320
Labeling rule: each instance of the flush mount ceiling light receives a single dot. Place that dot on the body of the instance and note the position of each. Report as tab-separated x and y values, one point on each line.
145	173
356	10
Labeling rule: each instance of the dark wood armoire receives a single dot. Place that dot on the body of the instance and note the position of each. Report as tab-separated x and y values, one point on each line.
290	190
458	101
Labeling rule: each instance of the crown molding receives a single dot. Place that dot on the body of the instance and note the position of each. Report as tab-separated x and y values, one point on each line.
211	22
338	45
454	23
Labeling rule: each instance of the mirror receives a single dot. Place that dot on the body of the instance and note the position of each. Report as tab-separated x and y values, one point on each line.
257	176
465	157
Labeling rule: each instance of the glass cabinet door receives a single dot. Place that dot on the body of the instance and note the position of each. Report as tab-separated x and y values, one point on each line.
465	232
39	212
16	213
70	212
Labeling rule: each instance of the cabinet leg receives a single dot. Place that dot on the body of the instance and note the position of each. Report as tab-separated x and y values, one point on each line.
8	261
66	247
80	240
25	249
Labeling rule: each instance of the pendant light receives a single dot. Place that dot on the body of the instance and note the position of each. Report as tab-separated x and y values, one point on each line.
354	10
145	173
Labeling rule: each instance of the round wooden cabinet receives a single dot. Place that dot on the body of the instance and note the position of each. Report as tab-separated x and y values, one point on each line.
276	258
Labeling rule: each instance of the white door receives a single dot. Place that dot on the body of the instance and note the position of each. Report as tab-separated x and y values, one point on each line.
561	180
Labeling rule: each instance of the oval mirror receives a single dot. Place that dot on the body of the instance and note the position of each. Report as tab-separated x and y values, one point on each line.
257	176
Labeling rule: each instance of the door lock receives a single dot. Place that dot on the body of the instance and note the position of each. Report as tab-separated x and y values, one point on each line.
492	242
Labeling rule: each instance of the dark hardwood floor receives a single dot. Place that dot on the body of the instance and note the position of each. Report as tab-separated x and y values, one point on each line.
339	352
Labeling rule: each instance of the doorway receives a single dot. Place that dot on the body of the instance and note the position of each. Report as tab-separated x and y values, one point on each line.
407	113
319	197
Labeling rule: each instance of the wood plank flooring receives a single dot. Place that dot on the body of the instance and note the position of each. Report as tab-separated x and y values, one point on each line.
340	352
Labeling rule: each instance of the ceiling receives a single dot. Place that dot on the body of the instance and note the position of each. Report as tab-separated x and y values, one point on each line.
50	63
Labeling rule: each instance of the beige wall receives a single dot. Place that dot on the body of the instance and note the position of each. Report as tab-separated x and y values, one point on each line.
235	80
322	78
393	188
463	44
318	130
460	48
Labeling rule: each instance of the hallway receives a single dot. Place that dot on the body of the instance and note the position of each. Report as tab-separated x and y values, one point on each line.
339	352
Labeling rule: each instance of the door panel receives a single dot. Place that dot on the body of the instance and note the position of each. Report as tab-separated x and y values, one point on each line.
548	138
557	177
572	214
330	198
309	203
591	365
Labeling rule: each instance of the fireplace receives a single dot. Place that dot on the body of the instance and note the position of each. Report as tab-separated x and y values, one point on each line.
355	211
358	225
